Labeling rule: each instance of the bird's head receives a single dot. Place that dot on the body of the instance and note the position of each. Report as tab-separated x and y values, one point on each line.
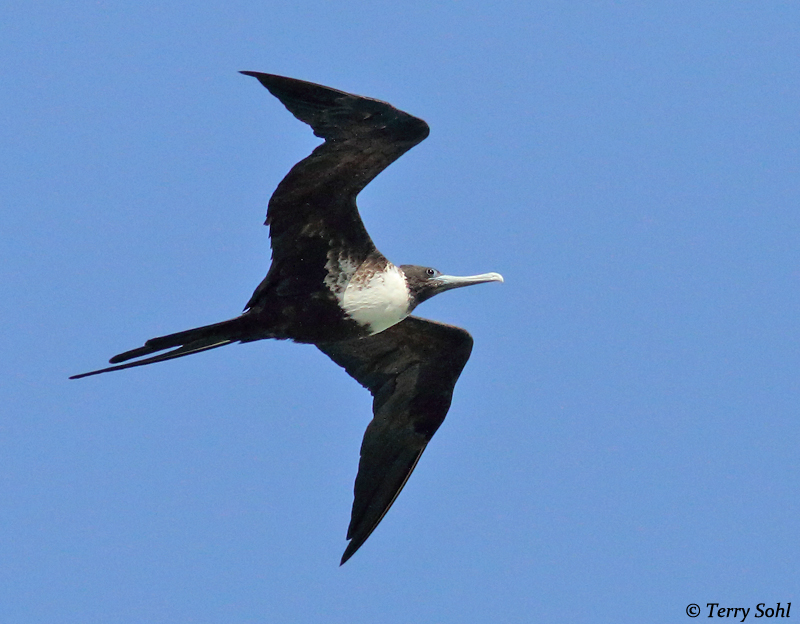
425	282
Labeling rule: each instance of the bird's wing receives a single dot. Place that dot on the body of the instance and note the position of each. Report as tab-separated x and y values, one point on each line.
410	369
314	208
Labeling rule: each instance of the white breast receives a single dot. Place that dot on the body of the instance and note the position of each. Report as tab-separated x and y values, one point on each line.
379	300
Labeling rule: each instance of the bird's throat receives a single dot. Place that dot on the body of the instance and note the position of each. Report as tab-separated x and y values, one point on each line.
376	299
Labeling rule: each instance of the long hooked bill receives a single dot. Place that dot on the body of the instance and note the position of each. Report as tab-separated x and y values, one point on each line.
456	281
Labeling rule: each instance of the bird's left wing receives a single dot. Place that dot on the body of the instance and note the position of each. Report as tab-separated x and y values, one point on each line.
410	369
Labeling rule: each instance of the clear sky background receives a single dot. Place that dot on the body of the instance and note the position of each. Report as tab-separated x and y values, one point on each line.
624	439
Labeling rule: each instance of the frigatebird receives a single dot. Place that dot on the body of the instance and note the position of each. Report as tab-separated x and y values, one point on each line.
328	285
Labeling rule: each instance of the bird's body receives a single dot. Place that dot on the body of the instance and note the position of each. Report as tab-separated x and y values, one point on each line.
328	285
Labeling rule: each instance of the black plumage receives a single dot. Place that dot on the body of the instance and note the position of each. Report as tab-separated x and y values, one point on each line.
411	370
324	265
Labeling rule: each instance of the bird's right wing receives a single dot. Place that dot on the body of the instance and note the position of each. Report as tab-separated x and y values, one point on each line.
313	210
410	369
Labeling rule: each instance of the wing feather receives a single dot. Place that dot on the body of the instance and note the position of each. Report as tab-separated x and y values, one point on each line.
314	207
411	370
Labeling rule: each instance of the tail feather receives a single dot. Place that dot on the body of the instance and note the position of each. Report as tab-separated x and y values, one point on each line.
169	355
187	342
232	329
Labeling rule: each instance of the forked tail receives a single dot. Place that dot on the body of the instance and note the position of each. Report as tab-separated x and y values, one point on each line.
187	342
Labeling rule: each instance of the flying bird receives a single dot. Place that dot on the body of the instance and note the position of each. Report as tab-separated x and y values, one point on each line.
328	285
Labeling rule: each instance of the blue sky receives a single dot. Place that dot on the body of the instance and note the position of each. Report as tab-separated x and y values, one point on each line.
624	439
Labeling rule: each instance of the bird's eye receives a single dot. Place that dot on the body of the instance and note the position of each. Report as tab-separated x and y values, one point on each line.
430	272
